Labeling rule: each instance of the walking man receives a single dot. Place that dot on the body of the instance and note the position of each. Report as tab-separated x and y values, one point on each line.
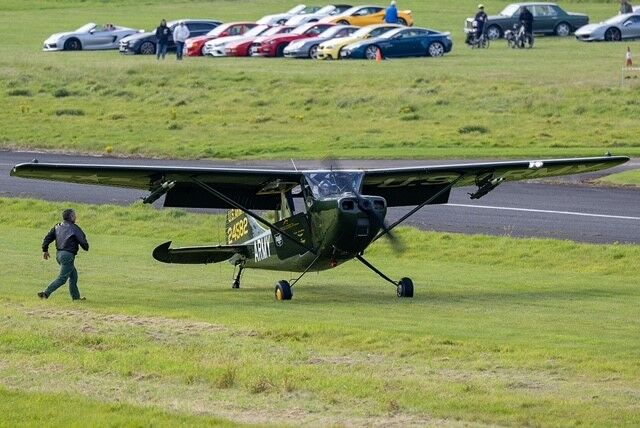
180	34
68	236
162	35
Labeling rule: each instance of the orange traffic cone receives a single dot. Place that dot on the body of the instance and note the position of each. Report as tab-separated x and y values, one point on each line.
629	57
379	56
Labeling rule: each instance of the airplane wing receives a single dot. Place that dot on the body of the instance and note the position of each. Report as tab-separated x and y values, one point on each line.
197	255
414	185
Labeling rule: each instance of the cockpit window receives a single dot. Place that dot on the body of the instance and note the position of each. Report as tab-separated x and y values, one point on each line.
333	183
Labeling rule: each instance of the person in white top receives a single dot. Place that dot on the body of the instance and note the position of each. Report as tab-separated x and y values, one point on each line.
180	34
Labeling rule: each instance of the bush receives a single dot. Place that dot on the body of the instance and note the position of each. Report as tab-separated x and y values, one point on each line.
19	93
61	93
69	112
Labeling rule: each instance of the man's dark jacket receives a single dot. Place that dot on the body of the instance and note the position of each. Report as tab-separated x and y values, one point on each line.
527	18
68	237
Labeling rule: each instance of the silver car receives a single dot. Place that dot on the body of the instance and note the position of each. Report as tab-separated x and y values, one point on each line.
88	37
281	18
617	28
330	10
308	48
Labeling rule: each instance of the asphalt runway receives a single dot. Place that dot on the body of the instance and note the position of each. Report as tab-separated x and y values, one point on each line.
563	208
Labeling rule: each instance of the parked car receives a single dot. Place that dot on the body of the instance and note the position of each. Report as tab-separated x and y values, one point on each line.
619	27
274	45
145	43
194	45
308	48
548	18
331	49
367	15
329	10
88	37
217	47
401	42
282	18
245	46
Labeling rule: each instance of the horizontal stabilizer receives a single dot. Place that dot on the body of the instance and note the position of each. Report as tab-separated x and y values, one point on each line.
197	255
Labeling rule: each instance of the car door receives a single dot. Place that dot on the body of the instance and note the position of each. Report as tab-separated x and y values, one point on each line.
402	44
363	17
545	18
631	27
97	38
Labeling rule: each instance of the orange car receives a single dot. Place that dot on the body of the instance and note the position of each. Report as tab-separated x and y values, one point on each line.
367	15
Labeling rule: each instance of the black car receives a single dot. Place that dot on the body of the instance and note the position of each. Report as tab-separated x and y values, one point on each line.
145	43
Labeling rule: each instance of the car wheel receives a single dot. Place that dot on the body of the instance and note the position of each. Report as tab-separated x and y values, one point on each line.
563	29
436	49
280	50
313	52
147	48
612	35
402	21
371	52
343	22
494	32
72	44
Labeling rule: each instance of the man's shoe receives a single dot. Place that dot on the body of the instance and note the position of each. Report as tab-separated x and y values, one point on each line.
80	298
42	295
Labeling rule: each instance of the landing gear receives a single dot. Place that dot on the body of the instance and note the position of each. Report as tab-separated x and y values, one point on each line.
283	291
405	287
236	281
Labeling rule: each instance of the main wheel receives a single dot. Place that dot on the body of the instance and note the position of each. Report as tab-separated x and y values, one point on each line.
313	52
147	48
402	21
494	32
72	44
405	288
436	49
563	29
612	35
371	52
283	290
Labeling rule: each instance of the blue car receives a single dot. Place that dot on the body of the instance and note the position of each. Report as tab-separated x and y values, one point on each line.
399	43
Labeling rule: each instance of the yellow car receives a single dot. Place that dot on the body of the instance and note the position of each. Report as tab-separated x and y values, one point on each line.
367	15
331	48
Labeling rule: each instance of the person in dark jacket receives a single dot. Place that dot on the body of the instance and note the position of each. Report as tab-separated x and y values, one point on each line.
163	33
526	19
481	19
68	237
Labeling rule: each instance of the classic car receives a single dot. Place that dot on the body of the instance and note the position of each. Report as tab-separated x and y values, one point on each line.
88	37
619	27
282	18
548	18
274	45
308	48
331	49
401	42
329	10
367	15
194	45
145	43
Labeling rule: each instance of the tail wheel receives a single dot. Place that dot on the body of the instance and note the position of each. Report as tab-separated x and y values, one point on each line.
563	29
72	44
436	49
612	35
372	52
283	291
402	21
405	287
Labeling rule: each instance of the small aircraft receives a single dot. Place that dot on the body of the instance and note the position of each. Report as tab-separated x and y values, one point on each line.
342	210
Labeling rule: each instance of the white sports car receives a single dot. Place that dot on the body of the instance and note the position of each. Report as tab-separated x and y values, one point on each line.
614	29
281	18
88	37
332	9
217	47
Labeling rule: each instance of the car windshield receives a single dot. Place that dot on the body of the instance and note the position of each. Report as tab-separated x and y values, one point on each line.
331	31
86	28
391	33
362	32
303	28
218	30
510	10
616	19
272	31
298	8
333	183
255	31
352	10
326	10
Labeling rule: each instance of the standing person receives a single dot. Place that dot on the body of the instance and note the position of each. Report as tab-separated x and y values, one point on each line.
180	34
625	7
526	19
162	35
391	16
481	20
68	236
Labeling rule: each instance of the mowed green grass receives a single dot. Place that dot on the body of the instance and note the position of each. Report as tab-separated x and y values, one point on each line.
501	331
631	178
562	98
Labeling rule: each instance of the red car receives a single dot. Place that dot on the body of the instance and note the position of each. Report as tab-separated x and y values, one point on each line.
194	45
274	45
245	46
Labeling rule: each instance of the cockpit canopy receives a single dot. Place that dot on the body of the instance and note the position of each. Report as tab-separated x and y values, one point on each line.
326	184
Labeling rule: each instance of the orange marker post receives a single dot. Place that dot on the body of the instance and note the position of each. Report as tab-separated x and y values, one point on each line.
629	57
378	55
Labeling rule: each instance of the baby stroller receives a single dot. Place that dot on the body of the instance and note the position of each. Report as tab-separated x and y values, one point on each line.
475	41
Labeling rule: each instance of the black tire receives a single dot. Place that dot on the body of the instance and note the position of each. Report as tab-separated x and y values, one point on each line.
402	21
435	49
147	48
563	29
72	44
371	52
313	52
612	35
283	291
405	288
343	22
494	32
280	50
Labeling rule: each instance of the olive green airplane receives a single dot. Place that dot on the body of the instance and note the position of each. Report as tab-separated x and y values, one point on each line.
342	211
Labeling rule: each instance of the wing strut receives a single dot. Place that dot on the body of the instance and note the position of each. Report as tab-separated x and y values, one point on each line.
251	213
416	209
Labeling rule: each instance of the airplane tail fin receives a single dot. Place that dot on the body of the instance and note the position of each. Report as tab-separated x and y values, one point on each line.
241	228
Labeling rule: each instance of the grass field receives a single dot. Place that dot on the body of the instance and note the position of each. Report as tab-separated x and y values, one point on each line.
562	98
627	178
501	331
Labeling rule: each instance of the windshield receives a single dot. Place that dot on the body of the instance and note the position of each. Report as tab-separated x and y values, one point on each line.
510	10
298	8
350	11
363	32
326	10
302	29
333	183
616	19
272	31
390	34
331	31
218	30
255	31
86	28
